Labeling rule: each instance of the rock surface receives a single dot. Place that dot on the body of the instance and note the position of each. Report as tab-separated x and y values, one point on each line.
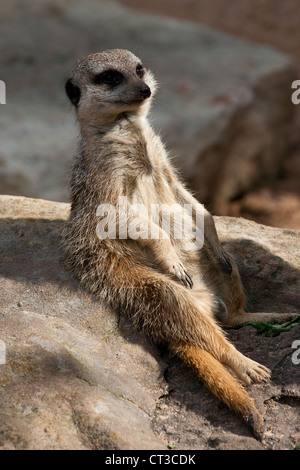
223	105
77	377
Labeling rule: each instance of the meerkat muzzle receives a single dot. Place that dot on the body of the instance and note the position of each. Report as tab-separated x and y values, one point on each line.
145	91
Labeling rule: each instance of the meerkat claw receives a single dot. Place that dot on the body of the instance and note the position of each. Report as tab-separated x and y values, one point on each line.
184	281
226	265
189	279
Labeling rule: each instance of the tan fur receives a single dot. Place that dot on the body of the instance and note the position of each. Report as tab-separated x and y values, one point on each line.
120	155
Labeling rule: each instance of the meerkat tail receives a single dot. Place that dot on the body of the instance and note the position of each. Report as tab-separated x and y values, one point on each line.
221	384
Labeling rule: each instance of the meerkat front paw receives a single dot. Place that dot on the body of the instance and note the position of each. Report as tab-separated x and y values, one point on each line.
178	270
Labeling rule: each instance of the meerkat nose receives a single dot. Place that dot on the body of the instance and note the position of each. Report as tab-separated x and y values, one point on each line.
145	91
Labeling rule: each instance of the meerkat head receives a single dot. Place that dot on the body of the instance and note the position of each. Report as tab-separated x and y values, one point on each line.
107	84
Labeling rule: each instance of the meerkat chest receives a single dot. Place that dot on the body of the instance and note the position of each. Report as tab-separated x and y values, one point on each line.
151	186
148	184
149	190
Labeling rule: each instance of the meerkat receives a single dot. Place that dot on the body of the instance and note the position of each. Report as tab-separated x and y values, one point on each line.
171	293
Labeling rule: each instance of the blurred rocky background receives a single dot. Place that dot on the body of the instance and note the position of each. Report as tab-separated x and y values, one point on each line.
223	107
273	201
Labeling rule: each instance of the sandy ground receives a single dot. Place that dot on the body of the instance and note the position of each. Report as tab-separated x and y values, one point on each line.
272	22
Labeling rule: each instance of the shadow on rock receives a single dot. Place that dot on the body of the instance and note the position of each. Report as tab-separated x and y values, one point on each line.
271	284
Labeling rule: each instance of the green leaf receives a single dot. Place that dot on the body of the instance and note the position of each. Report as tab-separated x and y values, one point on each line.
273	327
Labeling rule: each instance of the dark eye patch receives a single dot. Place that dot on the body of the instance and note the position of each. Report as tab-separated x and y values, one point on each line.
109	77
140	71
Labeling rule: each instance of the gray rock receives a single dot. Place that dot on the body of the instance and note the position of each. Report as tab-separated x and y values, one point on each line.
73	378
76	376
223	108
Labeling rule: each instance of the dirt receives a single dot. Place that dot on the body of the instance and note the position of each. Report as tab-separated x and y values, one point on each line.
271	22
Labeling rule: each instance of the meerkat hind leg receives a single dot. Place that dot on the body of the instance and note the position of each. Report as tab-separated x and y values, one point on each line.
246	369
239	318
216	344
221	384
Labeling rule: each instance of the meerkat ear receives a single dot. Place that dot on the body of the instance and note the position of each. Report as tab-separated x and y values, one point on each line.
73	92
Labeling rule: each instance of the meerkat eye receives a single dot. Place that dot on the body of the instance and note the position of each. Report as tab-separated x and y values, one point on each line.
109	77
140	71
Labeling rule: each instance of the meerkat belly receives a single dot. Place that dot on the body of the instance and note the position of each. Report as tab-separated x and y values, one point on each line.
154	199
145	192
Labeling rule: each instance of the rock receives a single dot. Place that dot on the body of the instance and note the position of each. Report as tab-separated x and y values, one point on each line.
76	376
67	361
223	108
269	261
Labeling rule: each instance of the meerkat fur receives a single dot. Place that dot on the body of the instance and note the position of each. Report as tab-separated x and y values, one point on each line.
171	294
